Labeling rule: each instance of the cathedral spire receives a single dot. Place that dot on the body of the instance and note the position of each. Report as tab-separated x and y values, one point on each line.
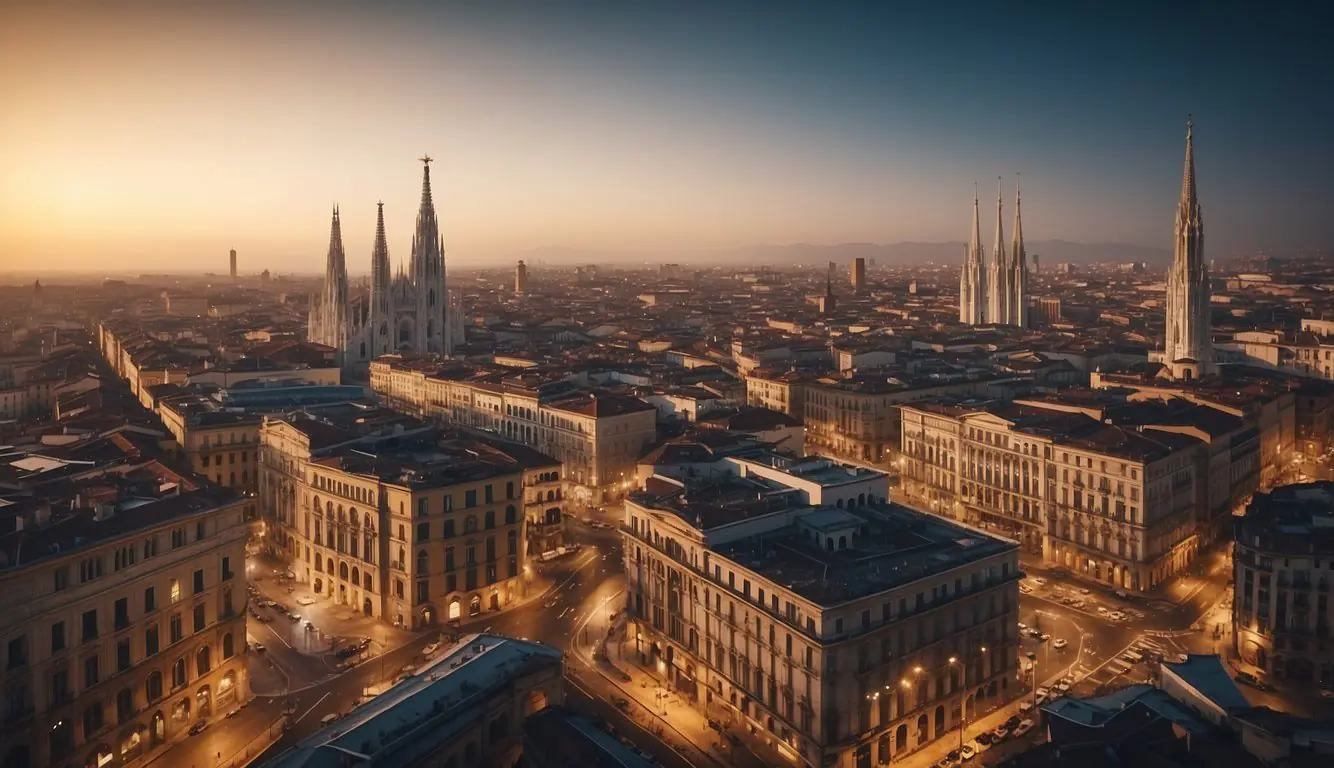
975	245
1018	267
1188	175
998	291
427	203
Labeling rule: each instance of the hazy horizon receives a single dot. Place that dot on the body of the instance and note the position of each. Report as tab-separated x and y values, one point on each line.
150	135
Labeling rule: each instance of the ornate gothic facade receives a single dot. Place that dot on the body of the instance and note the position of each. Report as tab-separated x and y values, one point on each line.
995	293
411	311
1188	346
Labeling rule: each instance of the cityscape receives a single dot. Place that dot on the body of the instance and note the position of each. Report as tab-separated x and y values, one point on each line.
536	480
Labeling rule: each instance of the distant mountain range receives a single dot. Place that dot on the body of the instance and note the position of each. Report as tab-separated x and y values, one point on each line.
895	254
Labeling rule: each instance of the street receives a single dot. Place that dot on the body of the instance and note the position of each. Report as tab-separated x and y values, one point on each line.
1094	640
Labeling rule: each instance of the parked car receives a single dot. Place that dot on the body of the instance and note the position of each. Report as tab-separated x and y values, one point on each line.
310	626
984	738
259	648
430	649
198	727
1024	727
1102	611
1246	678
968	751
1041	582
1013	722
294	617
1031	655
1043	636
1001	733
1058	643
1085	591
1078	605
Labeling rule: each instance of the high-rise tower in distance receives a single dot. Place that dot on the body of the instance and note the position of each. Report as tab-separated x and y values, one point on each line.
521	279
233	254
858	274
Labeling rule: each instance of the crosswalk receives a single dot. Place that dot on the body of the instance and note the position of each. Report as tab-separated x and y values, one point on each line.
1123	662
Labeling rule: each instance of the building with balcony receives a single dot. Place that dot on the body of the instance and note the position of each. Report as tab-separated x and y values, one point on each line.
1109	503
1283	562
843	635
465	708
121	616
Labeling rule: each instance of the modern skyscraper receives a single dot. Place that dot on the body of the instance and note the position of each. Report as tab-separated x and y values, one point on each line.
998	277
973	277
521	279
233	254
1188	347
858	274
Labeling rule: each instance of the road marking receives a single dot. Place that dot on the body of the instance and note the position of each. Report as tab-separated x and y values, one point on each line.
274	632
562	613
312	707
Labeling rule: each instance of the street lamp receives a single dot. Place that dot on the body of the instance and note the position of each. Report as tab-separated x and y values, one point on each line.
953	662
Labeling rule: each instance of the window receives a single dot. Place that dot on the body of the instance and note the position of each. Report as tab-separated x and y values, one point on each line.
423	591
228	646
58	636
174	629
122	613
123	654
150	600
153	686
90	625
199	528
227	568
175	591
449	503
150	548
178	674
92	719
509	489
490	494
91	671
470	499
423	531
89	569
510	515
18	653
124	706
449	528
177	538
423	507
199	618
199	581
203	661
61	577
490	518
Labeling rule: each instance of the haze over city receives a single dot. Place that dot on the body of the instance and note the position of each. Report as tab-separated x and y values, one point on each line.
158	135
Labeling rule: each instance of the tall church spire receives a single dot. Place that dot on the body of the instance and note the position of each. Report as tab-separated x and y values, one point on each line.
381	290
1188	348
1018	268
329	323
426	269
998	284
973	276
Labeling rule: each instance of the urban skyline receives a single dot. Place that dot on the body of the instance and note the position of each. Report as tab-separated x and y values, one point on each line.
577	129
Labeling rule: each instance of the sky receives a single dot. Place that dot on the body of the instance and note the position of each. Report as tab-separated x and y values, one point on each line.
157	135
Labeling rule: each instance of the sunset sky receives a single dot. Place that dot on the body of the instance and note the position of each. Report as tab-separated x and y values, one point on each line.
158	135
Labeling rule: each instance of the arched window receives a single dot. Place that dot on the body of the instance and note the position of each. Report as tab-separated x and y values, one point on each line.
124	705
368	582
203	661
153	686
178	673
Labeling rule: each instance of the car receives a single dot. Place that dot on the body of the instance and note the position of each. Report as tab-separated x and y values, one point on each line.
968	751
259	647
1063	687
1023	627
1024	727
198	727
644	753
984	739
310	626
1043	693
1024	708
1085	591
954	756
1067	600
1031	655
329	718
621	703
1013	722
294	617
944	762
1041	582
430	649
1121	593
1000	733
1025	589
1043	637
1078	605
1246	678
1102	611
1058	643
1326	693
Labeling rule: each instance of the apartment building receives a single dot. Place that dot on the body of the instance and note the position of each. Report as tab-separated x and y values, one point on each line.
1283	566
1109	503
123	618
596	436
857	417
783	391
418	530
220	444
845	635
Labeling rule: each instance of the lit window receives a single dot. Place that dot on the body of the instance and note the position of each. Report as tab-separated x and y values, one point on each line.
175	590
